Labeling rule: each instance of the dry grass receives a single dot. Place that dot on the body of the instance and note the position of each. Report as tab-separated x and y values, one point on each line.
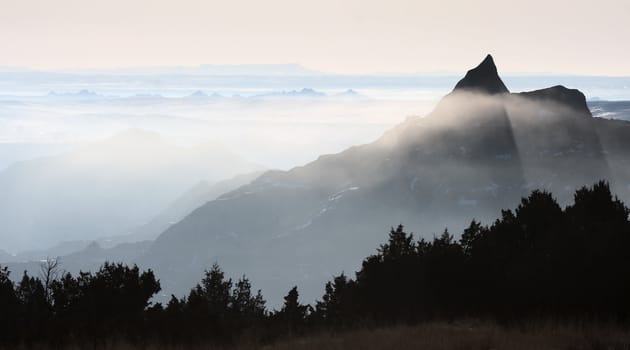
441	336
465	335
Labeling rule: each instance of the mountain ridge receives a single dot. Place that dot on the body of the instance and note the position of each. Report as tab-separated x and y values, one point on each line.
104	188
480	150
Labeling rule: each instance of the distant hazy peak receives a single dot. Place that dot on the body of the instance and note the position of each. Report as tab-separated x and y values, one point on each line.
93	247
198	94
483	78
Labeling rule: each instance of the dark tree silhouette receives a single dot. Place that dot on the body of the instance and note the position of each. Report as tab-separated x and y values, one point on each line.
245	305
32	295
50	270
337	303
537	261
9	306
470	236
400	244
293	314
211	298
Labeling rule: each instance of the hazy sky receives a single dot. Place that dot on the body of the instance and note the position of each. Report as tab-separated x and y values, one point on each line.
353	36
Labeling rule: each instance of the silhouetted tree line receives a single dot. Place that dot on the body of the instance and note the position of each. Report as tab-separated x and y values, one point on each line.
87	306
537	262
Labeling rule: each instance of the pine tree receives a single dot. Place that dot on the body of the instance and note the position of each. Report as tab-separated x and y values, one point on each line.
292	312
245	305
399	244
470	235
215	289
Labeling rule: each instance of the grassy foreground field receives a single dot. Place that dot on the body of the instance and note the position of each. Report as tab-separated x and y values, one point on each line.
465	335
435	336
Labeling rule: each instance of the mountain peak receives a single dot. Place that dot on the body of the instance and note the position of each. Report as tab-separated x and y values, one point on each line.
484	78
198	94
488	61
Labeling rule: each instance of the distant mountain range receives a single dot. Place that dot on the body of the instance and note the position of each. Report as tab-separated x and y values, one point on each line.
247	79
116	247
83	94
81	255
610	109
88	95
480	150
103	189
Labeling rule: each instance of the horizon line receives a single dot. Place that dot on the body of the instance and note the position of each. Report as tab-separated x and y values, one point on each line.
308	71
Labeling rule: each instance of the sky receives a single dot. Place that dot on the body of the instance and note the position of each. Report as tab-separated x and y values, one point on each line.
337	36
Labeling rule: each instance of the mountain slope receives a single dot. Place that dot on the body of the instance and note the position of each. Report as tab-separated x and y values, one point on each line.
190	200
479	151
102	189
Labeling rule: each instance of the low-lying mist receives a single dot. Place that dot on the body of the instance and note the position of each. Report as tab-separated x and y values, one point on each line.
279	133
79	168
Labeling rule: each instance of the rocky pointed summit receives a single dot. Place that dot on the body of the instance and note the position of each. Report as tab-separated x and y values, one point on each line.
483	78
